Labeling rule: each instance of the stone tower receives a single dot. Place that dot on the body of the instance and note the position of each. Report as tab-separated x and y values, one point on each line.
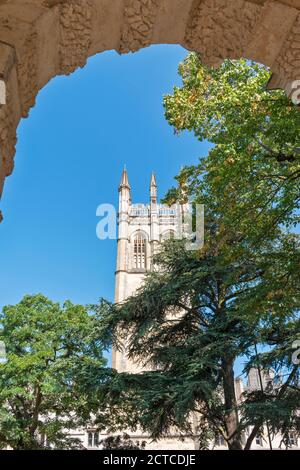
141	228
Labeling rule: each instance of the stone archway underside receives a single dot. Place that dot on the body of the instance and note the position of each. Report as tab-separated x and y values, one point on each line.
40	39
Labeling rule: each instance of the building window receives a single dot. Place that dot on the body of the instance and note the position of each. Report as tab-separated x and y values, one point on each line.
139	254
293	441
259	441
220	441
168	235
93	439
44	441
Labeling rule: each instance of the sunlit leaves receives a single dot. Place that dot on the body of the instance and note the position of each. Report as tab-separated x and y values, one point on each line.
53	373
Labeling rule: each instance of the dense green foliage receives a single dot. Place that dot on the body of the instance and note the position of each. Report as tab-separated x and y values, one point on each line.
223	310
254	167
53	371
121	442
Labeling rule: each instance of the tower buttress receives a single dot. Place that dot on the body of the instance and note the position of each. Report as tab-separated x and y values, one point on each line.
154	215
123	221
119	359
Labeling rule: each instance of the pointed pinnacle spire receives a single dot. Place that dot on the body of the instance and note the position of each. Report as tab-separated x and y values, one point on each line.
153	181
153	189
124	180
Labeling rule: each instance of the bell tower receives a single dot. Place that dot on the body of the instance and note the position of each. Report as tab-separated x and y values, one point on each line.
141	227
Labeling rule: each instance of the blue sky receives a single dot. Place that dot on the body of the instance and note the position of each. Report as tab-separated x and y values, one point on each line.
70	155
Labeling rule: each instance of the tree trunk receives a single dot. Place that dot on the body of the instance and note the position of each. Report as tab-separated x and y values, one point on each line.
252	436
231	413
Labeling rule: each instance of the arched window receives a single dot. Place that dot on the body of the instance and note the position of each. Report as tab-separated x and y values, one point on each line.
139	251
93	439
168	235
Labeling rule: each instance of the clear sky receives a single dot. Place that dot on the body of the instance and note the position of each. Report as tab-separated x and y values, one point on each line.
70	155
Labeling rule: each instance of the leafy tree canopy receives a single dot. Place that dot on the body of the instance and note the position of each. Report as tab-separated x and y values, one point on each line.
190	322
254	168
53	371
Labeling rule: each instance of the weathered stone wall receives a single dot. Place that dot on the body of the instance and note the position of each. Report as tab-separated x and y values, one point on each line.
40	39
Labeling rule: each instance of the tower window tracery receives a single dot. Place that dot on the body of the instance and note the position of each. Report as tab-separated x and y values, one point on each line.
139	251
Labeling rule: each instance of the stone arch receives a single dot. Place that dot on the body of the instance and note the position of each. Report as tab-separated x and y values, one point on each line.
138	231
40	39
168	234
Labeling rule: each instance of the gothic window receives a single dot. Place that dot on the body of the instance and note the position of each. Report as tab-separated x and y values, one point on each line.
139	252
293	441
168	235
44	441
220	441
93	439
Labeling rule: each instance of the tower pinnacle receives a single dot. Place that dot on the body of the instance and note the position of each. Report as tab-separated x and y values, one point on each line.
153	189
124	180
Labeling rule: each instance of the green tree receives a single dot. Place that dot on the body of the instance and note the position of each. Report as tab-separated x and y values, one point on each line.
231	104
220	310
255	133
54	368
